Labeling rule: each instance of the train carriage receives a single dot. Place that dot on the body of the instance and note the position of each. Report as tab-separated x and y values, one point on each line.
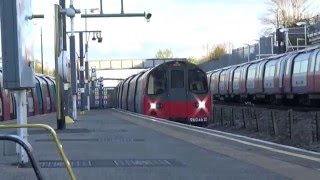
40	99
175	90
292	77
132	91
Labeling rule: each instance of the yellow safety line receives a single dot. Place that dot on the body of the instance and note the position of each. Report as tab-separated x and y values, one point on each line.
55	137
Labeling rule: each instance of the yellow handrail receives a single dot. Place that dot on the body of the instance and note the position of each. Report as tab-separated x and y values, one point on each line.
55	137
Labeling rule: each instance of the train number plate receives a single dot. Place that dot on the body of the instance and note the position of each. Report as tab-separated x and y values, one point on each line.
200	119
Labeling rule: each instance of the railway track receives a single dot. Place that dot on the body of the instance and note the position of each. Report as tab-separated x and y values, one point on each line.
291	125
267	106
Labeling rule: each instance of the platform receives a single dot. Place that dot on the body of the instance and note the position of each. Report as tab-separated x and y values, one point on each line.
113	144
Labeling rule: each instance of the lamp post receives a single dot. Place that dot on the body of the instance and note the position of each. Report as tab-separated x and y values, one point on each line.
272	43
87	90
305	31
259	50
41	50
71	12
286	30
82	68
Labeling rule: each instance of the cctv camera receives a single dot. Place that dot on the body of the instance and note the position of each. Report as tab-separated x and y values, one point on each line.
148	16
93	38
99	39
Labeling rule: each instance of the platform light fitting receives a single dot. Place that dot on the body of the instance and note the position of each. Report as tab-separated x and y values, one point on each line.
99	39
93	38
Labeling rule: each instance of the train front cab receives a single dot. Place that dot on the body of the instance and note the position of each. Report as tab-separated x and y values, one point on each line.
177	91
199	97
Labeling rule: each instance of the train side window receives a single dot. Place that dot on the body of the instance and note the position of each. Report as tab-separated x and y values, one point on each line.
177	79
252	71
296	67
157	82
223	77
301	63
304	66
236	76
270	69
197	81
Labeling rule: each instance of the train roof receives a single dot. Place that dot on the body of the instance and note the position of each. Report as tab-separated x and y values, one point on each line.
163	65
276	56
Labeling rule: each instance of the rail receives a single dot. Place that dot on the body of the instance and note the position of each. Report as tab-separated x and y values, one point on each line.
27	147
54	136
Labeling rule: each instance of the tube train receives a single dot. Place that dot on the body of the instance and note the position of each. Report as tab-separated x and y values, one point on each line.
286	78
40	99
175	90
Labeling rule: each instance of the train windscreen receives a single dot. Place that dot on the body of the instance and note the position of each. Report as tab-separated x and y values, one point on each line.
197	82
157	82
177	79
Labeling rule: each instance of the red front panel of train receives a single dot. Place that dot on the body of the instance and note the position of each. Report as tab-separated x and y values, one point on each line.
187	111
156	108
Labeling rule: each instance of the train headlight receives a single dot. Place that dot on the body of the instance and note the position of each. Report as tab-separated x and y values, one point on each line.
202	104
156	105
153	105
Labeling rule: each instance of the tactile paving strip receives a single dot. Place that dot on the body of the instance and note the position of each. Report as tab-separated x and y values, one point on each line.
83	130
116	139
113	163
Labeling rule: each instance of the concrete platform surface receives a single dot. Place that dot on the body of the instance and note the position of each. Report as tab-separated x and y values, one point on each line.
113	144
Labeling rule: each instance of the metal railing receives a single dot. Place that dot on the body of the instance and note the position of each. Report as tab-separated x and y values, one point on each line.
54	136
27	147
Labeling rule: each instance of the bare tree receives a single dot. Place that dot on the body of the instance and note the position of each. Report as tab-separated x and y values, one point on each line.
228	47
166	53
286	13
216	52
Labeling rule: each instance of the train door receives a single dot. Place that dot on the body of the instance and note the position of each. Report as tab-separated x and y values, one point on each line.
51	90
39	95
35	101
177	91
46	89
